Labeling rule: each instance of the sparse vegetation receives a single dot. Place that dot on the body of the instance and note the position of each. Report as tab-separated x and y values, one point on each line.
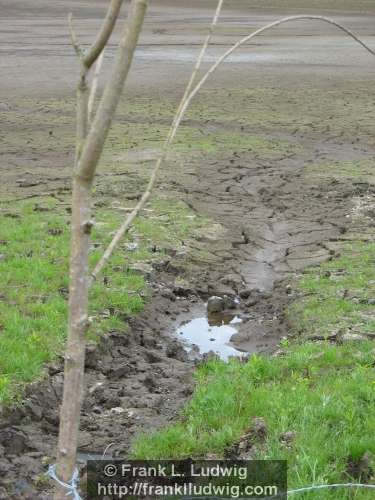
33	270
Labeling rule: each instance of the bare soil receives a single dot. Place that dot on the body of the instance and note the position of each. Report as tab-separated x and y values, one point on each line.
305	85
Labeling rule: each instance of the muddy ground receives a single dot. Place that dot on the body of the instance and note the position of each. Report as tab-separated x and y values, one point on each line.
304	91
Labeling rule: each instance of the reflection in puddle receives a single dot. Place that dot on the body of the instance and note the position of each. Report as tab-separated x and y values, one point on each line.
212	334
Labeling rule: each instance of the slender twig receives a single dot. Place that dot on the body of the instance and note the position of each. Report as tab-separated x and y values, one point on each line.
172	131
244	40
94	85
73	37
199	61
104	34
181	112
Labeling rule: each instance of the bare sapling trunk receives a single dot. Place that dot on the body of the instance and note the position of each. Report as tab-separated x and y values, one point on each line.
90	143
91	137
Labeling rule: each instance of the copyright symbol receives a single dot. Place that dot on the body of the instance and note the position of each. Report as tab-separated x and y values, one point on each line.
110	470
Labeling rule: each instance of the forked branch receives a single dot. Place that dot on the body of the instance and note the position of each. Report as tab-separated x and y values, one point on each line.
104	34
186	100
73	37
91	55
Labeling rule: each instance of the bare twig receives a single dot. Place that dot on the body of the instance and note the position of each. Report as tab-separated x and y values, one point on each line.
73	37
199	60
172	131
111	96
244	40
104	34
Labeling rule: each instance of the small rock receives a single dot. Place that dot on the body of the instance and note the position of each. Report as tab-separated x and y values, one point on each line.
121	371
152	357
117	410
54	369
245	294
168	294
229	302
182	288
252	301
258	429
98	387
287	437
278	353
176	351
208	356
34	410
143	268
131	246
215	305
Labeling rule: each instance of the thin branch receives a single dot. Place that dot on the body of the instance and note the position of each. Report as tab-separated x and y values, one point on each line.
146	195
215	66
97	135
104	34
73	37
94	85
181	112
199	61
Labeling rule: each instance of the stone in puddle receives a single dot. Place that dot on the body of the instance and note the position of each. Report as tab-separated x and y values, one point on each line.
229	302
219	304
215	305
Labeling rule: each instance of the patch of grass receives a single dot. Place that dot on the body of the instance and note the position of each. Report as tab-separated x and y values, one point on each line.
34	276
324	394
338	294
191	138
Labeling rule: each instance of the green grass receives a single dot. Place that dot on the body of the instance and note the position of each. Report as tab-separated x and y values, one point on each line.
324	393
197	138
335	296
34	276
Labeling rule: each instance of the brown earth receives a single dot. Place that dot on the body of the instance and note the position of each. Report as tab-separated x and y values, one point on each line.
305	94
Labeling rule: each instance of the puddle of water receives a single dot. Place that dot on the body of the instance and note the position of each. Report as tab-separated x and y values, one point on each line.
211	334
